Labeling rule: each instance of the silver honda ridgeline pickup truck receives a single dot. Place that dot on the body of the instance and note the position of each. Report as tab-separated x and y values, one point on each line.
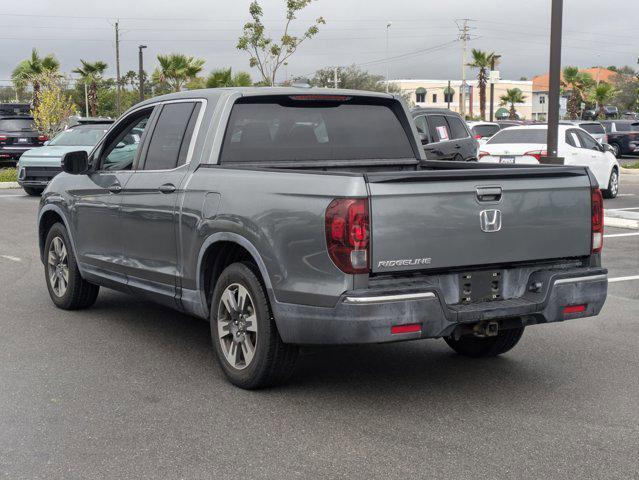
291	217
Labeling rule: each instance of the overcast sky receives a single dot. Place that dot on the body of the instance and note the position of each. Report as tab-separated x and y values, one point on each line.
422	34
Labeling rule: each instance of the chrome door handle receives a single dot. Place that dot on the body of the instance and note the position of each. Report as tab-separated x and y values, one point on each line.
115	188
167	188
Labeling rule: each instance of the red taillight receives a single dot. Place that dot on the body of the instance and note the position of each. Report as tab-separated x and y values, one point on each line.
538	154
597	220
482	154
43	138
605	138
574	309
410	328
3	138
477	137
324	98
347	234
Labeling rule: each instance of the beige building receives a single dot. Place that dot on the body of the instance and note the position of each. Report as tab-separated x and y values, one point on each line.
433	93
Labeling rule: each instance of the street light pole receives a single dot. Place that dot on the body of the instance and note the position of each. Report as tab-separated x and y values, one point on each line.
555	73
492	86
141	70
387	28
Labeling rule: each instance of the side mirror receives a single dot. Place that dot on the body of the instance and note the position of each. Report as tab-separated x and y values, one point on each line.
424	138
607	148
46	143
75	163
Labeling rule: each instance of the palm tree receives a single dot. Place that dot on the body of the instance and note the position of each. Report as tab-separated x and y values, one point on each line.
91	74
176	70
482	61
576	82
223	77
601	94
28	71
513	96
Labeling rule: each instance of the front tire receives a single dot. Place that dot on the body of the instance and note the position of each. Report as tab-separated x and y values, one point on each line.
613	185
33	191
616	150
477	347
67	289
243	331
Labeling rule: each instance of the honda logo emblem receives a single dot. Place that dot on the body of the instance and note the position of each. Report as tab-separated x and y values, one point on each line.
490	220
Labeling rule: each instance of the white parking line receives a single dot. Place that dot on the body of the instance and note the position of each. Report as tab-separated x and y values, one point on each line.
623	279
12	258
620	209
625	194
611	235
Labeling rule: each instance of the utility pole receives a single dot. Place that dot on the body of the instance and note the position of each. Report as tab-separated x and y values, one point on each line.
117	67
448	95
555	72
141	70
492	86
464	36
86	100
388	25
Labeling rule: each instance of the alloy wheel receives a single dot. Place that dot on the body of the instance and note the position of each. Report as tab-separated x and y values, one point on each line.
58	266
237	326
614	183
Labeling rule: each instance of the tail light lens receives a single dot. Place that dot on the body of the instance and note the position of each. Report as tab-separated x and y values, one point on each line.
347	234
538	154
43	138
597	220
3	138
477	137
482	154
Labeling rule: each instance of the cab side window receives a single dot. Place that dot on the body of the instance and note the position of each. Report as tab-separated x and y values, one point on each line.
587	141
171	136
457	128
572	139
438	127
422	126
120	150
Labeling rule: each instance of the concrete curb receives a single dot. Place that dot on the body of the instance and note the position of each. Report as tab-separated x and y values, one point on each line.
6	185
629	171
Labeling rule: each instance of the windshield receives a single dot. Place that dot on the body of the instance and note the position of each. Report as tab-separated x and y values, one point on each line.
16	124
519	135
284	129
592	128
86	135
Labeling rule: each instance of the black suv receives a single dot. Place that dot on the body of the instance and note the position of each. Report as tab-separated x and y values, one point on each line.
18	134
444	135
623	136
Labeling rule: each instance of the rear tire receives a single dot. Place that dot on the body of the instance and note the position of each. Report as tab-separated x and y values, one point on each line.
616	150
243	331
67	289
613	185
477	347
33	191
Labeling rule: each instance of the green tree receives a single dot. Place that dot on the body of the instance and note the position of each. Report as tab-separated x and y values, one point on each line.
512	96
265	54
626	86
353	78
223	77
601	95
176	70
91	75
53	106
482	62
577	83
29	71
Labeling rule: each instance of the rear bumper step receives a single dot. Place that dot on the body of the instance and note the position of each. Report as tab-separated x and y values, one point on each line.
360	317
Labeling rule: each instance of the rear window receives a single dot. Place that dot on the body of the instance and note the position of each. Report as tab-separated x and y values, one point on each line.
520	135
16	124
485	130
282	129
592	128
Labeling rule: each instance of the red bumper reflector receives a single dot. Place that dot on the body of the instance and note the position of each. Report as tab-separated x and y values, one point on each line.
574	309
410	328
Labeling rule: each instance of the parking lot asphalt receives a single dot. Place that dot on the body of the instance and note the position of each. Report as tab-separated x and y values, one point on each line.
128	389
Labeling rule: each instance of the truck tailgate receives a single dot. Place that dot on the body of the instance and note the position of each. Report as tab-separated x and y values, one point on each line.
433	219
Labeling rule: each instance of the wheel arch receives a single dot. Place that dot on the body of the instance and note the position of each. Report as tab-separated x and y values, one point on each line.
216	253
48	216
